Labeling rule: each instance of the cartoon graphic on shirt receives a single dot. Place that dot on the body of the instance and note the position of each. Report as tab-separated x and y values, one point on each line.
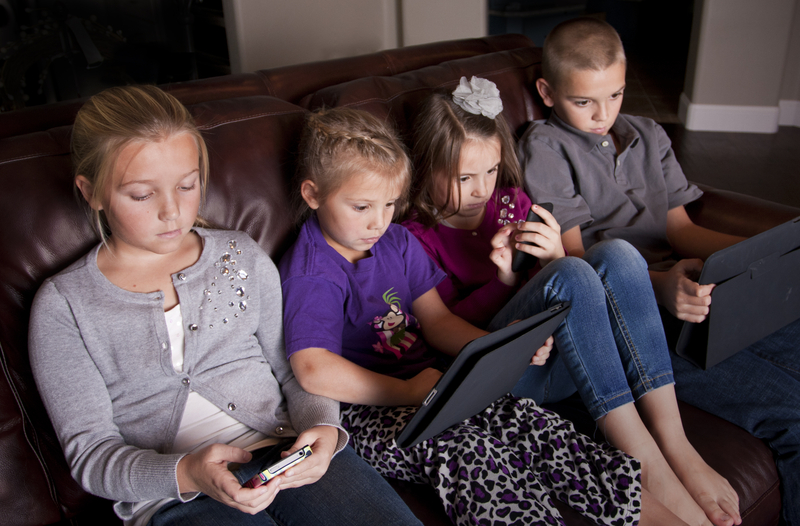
391	327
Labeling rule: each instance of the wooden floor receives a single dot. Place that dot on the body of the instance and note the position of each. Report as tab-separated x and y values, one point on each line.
762	165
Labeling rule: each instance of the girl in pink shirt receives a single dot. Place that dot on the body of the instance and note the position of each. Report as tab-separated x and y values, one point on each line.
468	213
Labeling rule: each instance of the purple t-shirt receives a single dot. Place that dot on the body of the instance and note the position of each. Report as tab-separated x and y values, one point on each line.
472	289
362	310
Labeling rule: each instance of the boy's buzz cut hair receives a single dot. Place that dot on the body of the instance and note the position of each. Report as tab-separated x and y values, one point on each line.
580	44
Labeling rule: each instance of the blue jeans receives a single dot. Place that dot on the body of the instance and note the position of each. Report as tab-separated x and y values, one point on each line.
611	347
758	389
350	493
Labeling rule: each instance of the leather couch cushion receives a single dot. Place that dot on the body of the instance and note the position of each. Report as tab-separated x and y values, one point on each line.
398	97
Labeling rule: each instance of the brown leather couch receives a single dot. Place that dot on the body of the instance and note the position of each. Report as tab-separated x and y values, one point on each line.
252	124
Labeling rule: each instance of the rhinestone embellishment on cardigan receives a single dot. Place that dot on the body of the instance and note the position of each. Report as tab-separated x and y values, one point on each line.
227	267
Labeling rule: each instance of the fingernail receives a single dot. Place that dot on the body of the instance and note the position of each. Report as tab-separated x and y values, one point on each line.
535	207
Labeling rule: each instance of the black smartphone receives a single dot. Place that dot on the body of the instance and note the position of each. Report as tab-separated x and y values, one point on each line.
278	467
523	260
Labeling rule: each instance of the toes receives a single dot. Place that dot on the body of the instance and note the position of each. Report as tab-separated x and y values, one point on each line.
731	509
723	513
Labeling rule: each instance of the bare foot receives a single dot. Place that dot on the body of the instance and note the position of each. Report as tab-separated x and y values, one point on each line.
710	490
656	514
659	479
672	470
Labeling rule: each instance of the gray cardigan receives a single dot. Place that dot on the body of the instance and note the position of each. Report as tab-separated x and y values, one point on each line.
102	363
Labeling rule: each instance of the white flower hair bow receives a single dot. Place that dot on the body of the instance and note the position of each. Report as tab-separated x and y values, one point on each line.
479	97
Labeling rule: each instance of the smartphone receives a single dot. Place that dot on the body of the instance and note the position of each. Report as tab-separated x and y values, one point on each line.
279	467
523	260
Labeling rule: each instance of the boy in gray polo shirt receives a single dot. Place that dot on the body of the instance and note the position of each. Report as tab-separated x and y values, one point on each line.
615	176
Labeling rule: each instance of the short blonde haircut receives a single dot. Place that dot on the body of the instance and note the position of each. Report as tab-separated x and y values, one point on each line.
580	44
441	131
117	117
339	143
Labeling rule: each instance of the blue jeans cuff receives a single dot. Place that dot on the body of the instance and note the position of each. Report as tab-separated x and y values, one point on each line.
653	383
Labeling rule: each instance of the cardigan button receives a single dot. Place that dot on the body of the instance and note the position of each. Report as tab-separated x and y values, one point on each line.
185	382
604	144
182	276
232	406
279	430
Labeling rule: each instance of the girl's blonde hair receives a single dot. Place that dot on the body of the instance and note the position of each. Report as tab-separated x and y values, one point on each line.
338	143
439	135
117	117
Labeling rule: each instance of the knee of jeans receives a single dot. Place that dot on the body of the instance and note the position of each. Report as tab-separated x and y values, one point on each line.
615	254
574	273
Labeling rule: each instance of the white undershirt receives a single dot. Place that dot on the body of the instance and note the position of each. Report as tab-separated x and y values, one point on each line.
202	423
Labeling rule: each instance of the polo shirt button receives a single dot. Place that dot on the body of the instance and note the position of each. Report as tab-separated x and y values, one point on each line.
617	162
604	144
232	406
185	382
279	430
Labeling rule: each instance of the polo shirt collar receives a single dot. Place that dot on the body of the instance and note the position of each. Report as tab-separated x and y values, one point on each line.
626	134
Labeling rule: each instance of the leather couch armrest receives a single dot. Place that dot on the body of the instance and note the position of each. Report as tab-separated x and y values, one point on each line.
737	214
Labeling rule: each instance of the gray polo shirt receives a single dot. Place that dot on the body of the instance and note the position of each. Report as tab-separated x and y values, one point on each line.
625	196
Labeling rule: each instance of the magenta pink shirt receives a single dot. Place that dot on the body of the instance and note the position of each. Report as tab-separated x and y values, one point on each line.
471	289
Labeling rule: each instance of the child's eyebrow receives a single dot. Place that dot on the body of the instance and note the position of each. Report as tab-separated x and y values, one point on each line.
580	97
360	200
150	181
475	173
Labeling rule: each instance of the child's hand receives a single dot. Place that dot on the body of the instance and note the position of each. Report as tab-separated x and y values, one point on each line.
541	356
502	255
682	296
421	384
323	440
546	237
207	471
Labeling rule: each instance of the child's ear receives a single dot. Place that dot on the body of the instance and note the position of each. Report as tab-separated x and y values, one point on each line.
309	192
87	191
546	92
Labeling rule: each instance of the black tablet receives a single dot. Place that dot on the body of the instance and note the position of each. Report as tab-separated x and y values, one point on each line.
485	369
757	293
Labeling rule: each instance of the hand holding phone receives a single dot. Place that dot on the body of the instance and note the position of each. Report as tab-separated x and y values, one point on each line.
523	260
279	467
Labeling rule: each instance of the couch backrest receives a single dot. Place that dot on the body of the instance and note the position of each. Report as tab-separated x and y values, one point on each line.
252	142
398	97
290	83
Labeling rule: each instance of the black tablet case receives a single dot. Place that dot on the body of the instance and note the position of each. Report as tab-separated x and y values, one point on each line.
757	293
484	370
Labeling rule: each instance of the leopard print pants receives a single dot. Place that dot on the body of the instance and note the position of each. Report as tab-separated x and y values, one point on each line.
504	465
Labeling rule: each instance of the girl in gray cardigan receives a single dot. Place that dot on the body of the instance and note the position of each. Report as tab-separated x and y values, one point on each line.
159	355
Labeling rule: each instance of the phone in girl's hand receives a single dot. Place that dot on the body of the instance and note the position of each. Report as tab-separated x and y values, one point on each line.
279	467
523	260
